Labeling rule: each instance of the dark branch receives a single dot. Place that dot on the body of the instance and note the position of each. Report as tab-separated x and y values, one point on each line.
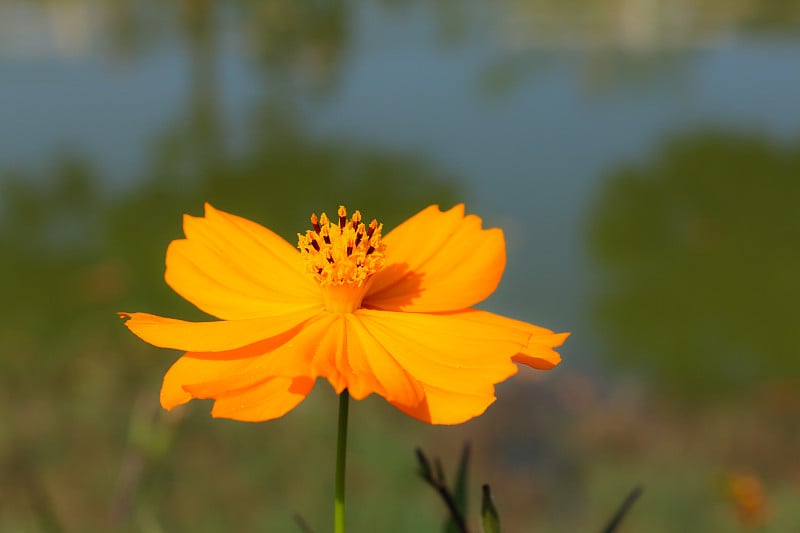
302	524
435	478
616	520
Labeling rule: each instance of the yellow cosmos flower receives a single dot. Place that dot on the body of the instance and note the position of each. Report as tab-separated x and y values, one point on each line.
390	315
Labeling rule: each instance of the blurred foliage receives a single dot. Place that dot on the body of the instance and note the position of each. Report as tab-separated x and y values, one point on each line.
699	251
83	443
70	373
306	40
561	455
489	516
706	232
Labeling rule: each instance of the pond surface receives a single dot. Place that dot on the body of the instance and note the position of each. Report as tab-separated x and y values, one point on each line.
532	113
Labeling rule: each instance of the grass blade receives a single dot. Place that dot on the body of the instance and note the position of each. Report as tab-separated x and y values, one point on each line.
460	489
491	520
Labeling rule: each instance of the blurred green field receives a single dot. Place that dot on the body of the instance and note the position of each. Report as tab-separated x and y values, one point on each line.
96	453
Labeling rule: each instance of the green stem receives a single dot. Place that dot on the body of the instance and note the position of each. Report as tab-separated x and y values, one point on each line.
341	449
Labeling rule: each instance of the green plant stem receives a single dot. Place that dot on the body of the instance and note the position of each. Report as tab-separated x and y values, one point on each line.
341	456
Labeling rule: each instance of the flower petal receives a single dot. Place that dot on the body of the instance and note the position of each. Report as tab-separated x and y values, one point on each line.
188	369
540	355
212	336
448	351
448	407
233	268
373	369
328	352
438	261
270	397
538	352
294	357
268	400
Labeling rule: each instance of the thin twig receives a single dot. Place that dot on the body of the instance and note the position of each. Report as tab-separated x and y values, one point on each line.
616	520
435	478
302	524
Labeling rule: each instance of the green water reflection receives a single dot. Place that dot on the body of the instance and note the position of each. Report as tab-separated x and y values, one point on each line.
699	249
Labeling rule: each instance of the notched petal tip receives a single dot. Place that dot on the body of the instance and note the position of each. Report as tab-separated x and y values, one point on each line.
208	208
539	363
540	352
458	208
559	338
169	406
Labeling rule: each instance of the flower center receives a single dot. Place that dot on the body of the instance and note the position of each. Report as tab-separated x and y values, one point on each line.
342	256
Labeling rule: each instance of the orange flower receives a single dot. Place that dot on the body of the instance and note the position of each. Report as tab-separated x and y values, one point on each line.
386	315
749	498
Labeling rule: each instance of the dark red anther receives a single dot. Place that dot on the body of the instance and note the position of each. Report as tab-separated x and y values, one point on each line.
314	244
370	250
315	223
325	234
359	233
372	227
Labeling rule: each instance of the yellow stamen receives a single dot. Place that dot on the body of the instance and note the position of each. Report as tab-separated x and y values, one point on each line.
342	256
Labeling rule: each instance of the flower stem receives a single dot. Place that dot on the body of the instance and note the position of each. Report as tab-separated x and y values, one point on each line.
341	449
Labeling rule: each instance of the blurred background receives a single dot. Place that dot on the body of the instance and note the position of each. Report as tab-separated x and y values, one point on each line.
642	156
